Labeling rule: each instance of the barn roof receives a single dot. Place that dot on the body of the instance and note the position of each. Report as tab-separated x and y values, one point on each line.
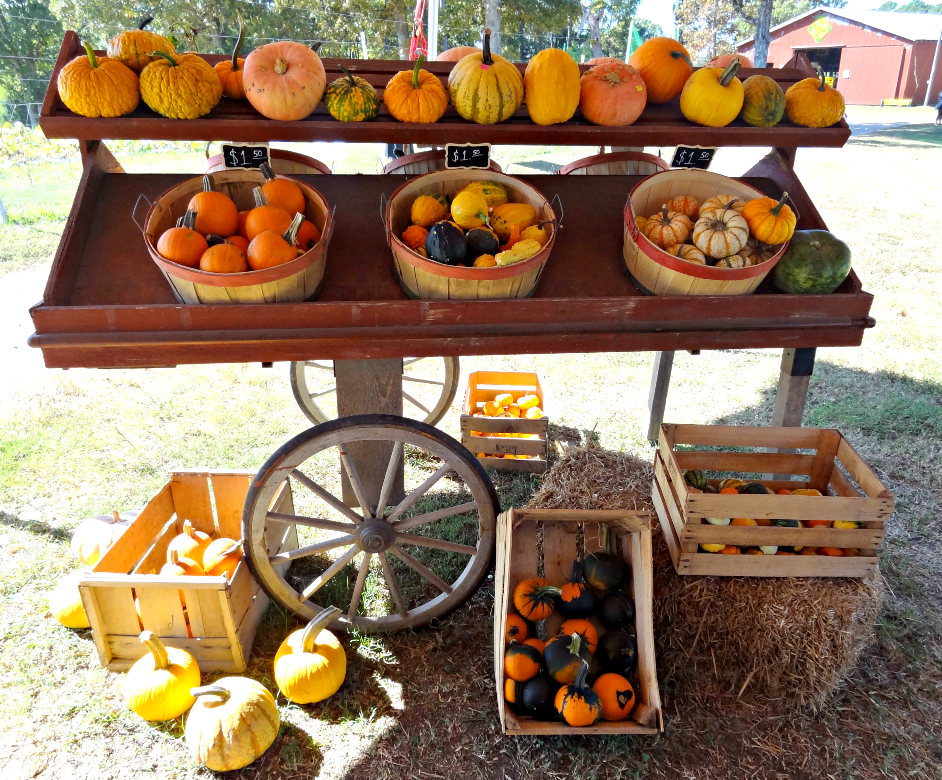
913	27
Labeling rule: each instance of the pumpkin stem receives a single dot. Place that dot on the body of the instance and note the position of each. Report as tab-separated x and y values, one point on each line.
291	234
419	61
212	239
267	172
608	541
729	72
92	59
235	51
151	642
260	199
576	575
822	85
580	678
576	644
281	66
487	59
207	183
211	690
167	57
115	517
319	622
188	529
679	55
353	81
316	46
778	206
664	218
188	220
173	556
144	22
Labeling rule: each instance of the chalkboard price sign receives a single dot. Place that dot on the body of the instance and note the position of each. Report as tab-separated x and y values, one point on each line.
468	155
245	155
693	157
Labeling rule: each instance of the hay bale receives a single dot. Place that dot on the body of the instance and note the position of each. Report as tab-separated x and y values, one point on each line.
785	641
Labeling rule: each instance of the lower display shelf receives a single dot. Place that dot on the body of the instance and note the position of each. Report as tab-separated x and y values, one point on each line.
107	304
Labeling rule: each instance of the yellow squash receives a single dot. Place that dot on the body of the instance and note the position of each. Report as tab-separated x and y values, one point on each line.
311	665
812	103
484	87
134	47
158	685
182	86
552	87
712	96
92	87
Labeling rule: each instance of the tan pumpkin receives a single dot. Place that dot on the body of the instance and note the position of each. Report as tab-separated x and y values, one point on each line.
551	85
668	228
724	59
721	203
687	252
456	53
284	80
486	88
686	205
812	103
721	233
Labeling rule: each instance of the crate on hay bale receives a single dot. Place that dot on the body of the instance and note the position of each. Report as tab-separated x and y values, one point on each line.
491	438
214	618
659	272
425	279
684	513
297	280
530	539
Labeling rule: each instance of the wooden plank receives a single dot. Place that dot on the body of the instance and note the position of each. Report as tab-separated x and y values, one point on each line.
156	556
759	536
787	507
93	612
642	573
671	506
819	476
191	500
842	486
657	396
504	425
746	436
776	565
164	582
559	552
505	445
116	613
161	612
229	493
232	630
861	472
210	609
530	465
792	391
667	528
502	605
249	625
745	462
134	543
533	728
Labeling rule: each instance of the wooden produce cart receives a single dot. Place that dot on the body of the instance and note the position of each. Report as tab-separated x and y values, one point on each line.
106	304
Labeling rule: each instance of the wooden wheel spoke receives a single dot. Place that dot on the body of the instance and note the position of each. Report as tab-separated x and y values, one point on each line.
416	494
302	552
355	481
422	381
328	391
311	522
415	402
327	497
431	517
361	581
410	361
391	470
335	567
393	586
421	568
436	544
315	364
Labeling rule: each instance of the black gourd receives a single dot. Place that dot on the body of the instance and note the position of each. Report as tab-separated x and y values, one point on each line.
616	610
481	241
446	244
617	652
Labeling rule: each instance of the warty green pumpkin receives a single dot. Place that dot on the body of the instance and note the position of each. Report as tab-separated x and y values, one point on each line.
763	102
485	88
351	98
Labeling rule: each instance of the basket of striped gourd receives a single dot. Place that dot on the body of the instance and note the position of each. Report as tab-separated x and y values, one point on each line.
427	279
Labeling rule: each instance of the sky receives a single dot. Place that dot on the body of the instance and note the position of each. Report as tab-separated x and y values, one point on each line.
662	11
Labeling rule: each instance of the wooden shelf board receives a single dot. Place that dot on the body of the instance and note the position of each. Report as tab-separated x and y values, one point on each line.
235	120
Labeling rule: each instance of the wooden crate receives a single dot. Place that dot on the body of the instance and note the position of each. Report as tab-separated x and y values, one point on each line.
819	456
223	614
518	558
485	386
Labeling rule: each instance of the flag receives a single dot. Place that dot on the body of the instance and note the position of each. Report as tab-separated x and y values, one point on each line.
634	41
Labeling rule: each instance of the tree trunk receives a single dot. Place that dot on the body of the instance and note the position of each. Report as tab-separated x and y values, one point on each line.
403	34
594	23
492	10
763	33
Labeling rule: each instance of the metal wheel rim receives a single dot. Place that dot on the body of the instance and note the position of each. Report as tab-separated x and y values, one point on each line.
291	457
307	400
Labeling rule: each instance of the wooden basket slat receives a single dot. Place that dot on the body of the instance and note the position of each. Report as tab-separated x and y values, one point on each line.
194	612
192	502
156	556
116	607
162	612
121	558
746	462
229	494
559	551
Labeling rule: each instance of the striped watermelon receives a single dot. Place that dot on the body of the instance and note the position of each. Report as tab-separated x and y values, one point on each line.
351	99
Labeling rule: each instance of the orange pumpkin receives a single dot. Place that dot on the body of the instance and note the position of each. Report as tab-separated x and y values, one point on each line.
724	59
664	65
582	627
612	94
270	249
534	598
616	694
668	228
243	215
521	662
183	245
230	71
601	61
223	259
685	204
284	80
539	644
416	95
282	192
770	221
265	217
515	629
215	212
240	241
456	53
414	236
308	235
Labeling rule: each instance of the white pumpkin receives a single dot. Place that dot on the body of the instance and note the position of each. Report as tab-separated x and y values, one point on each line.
94	536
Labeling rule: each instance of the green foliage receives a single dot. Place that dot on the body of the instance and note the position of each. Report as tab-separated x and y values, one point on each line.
912	7
29	39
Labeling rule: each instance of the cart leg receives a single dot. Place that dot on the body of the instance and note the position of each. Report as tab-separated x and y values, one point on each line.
657	397
370	387
792	392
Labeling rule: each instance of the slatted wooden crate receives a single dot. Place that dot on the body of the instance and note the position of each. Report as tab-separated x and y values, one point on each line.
484	386
826	457
518	557
221	616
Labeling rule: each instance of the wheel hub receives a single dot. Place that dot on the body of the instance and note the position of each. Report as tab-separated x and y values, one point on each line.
375	536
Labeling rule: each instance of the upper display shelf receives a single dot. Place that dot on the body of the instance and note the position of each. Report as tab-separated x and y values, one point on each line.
236	120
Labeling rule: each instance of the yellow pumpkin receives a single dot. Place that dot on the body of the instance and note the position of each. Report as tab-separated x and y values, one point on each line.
222	557
233	722
721	233
713	97
507	215
191	543
537	233
469	209
134	47
485	261
65	603
812	103
485	88
415	95
92	87
182	86
552	87
770	221
157	686
311	665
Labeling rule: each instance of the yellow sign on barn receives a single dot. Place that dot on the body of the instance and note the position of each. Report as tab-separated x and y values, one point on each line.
819	28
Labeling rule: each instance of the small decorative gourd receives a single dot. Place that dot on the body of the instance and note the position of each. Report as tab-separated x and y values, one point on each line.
426	210
588	633
605	571
577	703
180	86
812	103
508	215
537	233
284	80
616	696
135	48
221	557
270	248
180	566
481	241
668	228
521	661
713	97
687	252
576	599
770	221
664	65
65	603
687	205
311	664
551	86
616	610
493	192
520	251
351	98
190	543
416	95
720	233
233	722
618	652
446	244
92	87
733	261
515	629
539	695
486	88
215	211
469	209
230	71
721	203
183	245
94	536
157	686
414	236
563	656
534	598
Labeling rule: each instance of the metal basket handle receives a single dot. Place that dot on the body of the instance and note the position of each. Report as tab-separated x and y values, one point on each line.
383	201
555	203
325	239
137	203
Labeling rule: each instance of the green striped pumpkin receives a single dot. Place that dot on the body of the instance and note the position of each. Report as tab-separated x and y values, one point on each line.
485	88
351	99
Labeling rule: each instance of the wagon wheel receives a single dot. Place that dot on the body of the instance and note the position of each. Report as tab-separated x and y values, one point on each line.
390	568
428	388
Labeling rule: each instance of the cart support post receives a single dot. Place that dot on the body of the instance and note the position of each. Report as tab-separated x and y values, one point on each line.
792	394
657	397
370	387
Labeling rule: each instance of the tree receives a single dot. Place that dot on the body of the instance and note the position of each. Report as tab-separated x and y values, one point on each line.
615	37
29	41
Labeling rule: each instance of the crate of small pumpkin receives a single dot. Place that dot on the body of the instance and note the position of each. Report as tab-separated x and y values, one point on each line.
240	236
692	232
469	234
594	673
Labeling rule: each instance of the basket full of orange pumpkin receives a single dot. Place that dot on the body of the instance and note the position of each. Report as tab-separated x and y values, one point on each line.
240	236
469	234
692	232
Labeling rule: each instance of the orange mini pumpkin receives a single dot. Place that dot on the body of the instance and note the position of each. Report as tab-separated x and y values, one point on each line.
230	71
582	627
534	598
414	236
183	244
282	192
223	259
521	662
616	695
770	221
215	212
240	241
687	205
265	217
308	235
668	228
270	249
515	628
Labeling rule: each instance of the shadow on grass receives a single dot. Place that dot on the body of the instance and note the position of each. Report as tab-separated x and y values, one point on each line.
543	166
39	527
910	136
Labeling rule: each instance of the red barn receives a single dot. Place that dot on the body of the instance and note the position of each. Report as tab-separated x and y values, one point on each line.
871	55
